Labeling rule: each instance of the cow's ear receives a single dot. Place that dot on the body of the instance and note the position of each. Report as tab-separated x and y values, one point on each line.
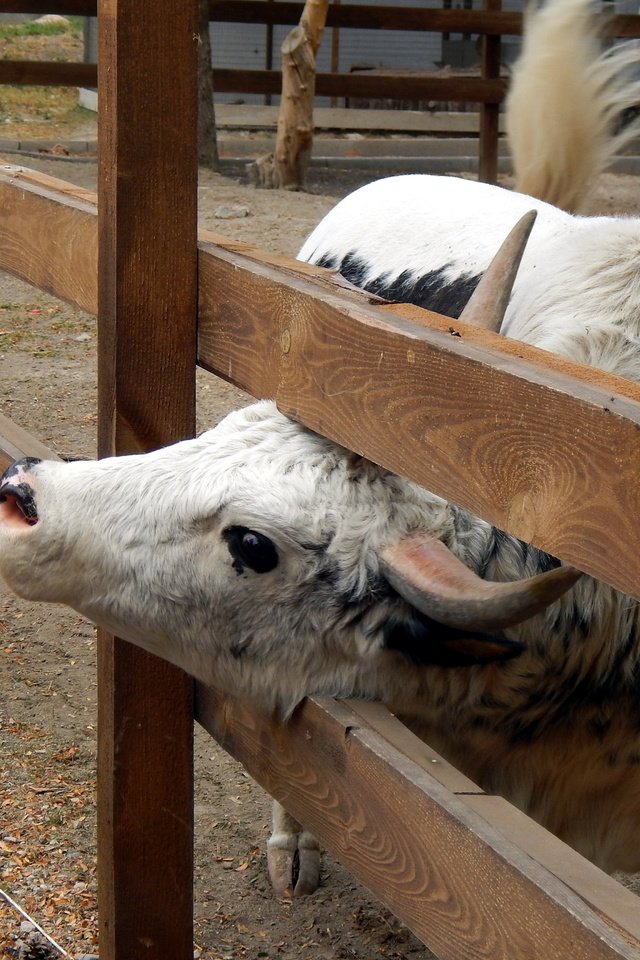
424	642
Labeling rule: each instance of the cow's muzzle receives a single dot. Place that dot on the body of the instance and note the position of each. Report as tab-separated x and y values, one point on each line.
17	495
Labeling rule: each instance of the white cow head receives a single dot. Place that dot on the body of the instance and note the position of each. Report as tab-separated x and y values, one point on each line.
262	558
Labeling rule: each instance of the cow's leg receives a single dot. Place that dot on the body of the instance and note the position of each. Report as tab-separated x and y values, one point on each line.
293	856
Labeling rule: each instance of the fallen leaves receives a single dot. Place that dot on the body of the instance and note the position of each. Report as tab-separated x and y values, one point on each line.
46	800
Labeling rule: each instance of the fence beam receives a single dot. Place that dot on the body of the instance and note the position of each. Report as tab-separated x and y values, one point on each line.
147	296
365	16
412	841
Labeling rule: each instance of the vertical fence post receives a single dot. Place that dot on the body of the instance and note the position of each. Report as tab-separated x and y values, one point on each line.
489	112
147	195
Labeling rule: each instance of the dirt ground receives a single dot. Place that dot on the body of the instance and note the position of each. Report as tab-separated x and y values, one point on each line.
47	667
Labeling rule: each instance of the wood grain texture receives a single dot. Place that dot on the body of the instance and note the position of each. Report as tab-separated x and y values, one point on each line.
81	8
298	305
377	717
147	189
616	905
465	890
396	85
362	17
611	901
49	73
543	448
368	17
48	235
147	201
16	443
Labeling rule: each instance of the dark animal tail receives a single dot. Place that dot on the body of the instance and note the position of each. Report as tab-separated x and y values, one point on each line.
569	103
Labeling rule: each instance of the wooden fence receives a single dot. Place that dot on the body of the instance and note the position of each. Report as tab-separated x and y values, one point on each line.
487	90
468	873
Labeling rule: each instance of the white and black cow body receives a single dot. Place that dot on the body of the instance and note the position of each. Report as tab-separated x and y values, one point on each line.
427	240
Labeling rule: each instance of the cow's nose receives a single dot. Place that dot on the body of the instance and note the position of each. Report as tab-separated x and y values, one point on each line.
17	492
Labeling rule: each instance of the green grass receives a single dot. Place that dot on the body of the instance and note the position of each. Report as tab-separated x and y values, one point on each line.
10	31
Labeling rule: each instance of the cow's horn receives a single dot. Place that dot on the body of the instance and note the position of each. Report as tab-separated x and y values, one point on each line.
490	299
429	577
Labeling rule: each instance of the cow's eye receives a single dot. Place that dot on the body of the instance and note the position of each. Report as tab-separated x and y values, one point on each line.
251	548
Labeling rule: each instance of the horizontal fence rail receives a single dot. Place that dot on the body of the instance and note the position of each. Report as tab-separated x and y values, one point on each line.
365	786
394	85
404	86
460	883
494	22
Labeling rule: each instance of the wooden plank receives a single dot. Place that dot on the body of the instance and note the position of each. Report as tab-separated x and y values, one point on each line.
370	17
463	415
617	906
65	8
146	397
48	73
499	23
398	86
457	883
60	254
361	17
377	717
16	443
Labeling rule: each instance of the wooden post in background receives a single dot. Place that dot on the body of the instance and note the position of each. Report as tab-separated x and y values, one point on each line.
489	112
147	194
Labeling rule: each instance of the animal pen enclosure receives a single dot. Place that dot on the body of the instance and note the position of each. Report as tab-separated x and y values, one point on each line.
469	874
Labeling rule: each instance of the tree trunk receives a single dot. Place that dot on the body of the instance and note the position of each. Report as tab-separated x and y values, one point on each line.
285	168
207	139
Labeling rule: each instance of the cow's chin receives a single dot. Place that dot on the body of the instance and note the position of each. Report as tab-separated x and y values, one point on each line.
27	586
29	565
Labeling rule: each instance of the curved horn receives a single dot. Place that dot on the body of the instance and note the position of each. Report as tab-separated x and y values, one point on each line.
489	301
429	577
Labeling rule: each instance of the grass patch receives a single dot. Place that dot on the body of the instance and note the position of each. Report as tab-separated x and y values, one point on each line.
42	113
12	31
35	113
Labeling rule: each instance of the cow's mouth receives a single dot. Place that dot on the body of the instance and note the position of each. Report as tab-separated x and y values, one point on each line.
18	505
